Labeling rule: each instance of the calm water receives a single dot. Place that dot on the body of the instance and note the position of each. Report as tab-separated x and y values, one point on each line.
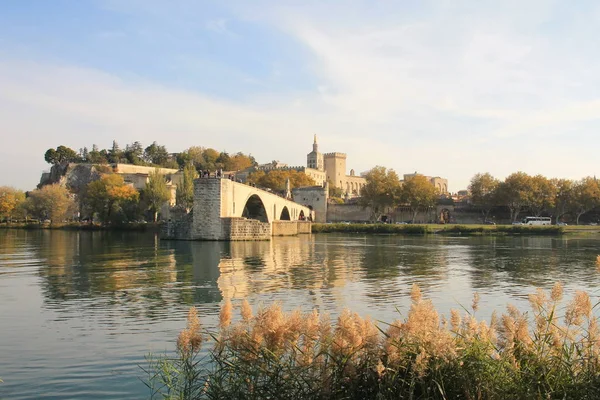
80	310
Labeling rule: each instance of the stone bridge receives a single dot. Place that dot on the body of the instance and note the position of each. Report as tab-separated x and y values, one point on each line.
227	210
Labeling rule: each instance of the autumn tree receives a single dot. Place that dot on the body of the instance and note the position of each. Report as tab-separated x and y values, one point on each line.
418	193
381	191
483	192
108	196
275	180
239	162
156	193
11	200
515	193
563	198
586	197
185	190
53	202
542	196
62	154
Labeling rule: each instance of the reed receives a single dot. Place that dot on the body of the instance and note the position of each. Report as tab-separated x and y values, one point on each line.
551	352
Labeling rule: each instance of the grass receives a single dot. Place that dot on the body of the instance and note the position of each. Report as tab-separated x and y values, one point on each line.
278	355
450	229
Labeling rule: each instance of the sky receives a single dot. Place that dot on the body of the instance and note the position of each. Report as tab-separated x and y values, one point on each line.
446	88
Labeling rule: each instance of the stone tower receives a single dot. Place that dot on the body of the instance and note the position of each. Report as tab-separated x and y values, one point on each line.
335	168
314	159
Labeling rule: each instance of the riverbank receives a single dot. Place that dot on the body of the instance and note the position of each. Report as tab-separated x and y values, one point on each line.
449	229
76	226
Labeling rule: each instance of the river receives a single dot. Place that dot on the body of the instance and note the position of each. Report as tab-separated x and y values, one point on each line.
79	311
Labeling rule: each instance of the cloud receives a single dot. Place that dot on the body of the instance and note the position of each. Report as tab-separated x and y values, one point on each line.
444	88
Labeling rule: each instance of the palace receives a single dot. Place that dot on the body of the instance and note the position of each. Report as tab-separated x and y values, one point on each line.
331	168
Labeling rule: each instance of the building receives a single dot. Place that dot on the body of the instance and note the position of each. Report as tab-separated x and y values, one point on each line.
331	168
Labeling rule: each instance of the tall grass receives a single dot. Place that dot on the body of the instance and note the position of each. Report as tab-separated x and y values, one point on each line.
295	355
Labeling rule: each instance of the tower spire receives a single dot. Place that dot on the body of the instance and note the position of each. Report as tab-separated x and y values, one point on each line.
315	145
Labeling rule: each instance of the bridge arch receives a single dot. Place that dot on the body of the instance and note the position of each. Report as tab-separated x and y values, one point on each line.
285	214
255	209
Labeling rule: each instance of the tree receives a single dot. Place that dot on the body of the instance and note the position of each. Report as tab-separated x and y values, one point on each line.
239	162
115	155
156	192
418	193
381	191
564	197
134	153
276	179
97	157
11	200
185	190
335	192
62	154
108	196
586	197
156	154
542	196
483	192
515	193
52	202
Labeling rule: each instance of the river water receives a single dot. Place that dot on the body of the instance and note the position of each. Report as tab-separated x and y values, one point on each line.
79	311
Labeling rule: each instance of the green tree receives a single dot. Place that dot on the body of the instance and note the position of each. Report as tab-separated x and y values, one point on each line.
134	153
115	154
334	191
52	202
380	192
418	193
11	200
62	154
156	154
586	197
108	197
97	157
156	192
185	190
483	192
515	193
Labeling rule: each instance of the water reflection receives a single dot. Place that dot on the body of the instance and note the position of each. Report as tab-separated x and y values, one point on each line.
127	268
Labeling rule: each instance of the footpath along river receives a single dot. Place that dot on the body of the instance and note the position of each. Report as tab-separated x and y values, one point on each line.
80	310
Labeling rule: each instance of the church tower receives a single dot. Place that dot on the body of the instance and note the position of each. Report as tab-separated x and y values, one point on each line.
314	159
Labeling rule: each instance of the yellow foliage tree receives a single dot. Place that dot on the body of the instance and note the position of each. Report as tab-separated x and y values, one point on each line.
52	202
10	201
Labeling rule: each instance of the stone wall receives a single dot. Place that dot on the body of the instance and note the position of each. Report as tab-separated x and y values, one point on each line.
347	212
178	227
245	229
304	227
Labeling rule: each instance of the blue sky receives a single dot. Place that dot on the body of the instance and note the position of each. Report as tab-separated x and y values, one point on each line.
446	88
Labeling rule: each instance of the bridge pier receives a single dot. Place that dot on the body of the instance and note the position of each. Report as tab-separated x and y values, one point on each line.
227	210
